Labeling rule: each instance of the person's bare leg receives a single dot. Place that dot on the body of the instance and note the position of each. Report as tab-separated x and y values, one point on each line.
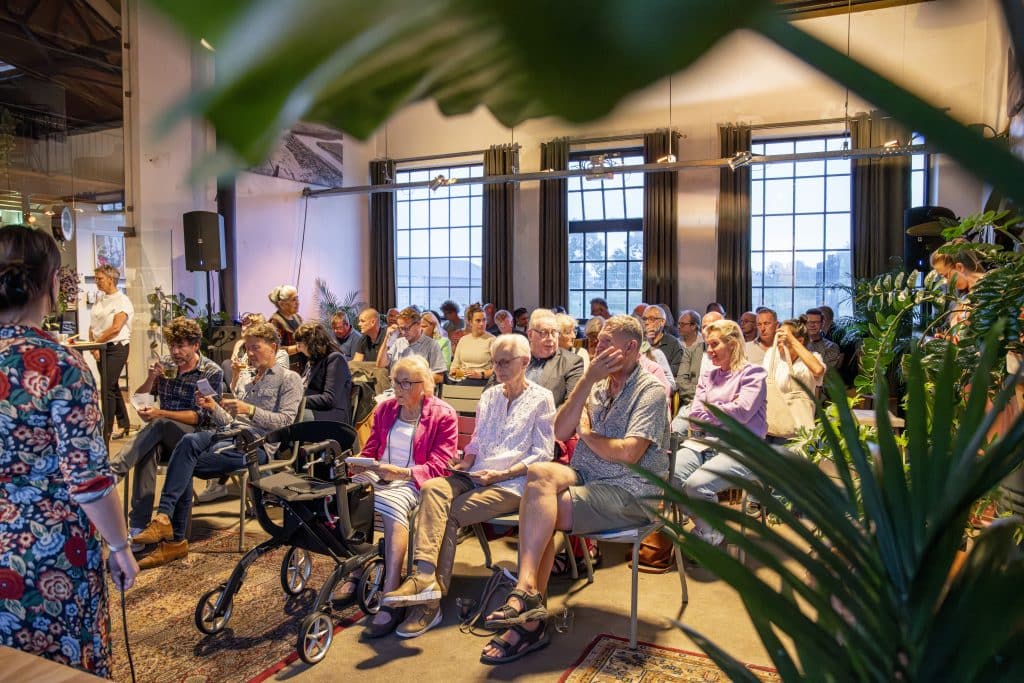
396	544
539	516
538	560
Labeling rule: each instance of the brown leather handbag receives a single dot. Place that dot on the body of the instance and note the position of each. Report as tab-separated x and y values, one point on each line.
657	554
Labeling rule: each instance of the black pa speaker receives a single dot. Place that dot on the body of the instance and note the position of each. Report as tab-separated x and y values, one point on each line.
923	235
204	240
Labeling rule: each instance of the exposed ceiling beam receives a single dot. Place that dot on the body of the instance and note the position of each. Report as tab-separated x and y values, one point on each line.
808	9
105	12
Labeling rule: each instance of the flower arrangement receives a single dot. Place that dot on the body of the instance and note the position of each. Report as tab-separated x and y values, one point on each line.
67	292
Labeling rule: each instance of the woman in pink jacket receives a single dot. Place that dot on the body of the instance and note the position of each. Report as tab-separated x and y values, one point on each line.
413	438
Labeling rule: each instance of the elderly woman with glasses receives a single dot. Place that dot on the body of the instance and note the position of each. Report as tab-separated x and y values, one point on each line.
413	438
514	427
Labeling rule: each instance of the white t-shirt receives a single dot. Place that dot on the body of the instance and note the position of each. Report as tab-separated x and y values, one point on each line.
754	352
104	311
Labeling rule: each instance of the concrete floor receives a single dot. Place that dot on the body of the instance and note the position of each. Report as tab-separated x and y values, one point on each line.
446	654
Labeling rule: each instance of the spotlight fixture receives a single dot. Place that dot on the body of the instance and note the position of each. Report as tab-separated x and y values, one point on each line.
440	181
740	159
667	159
206	44
598	167
892	143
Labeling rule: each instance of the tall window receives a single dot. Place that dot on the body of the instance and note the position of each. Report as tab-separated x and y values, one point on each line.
438	238
606	234
919	174
800	227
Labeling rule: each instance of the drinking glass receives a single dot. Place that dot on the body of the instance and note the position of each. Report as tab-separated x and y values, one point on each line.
563	619
170	369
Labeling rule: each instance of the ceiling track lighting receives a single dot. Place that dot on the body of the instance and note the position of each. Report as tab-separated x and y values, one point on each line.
606	169
740	159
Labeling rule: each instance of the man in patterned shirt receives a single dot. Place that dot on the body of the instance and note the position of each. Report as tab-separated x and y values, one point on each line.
619	411
176	416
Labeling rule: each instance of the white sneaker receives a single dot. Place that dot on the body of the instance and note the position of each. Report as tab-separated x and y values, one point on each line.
213	492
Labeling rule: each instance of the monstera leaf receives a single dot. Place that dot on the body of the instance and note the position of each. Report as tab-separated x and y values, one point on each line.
352	64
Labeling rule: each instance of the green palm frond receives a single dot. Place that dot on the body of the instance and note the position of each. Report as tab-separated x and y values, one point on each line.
865	570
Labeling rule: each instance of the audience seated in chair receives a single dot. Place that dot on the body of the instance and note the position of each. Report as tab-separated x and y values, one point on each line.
373	337
619	412
177	415
473	354
795	370
328	382
414	437
347	337
735	386
514	424
432	328
410	341
270	401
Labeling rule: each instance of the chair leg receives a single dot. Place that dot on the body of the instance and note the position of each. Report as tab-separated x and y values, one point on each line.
243	482
633	594
562	540
481	535
409	543
588	562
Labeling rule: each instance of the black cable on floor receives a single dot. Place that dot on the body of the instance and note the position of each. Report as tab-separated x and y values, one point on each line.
124	624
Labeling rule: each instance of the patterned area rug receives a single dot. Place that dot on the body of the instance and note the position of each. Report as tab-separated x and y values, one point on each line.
261	635
608	659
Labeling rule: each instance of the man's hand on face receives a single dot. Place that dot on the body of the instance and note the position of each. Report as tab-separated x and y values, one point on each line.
606	363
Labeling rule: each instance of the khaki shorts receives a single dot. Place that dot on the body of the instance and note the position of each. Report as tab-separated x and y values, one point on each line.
604	507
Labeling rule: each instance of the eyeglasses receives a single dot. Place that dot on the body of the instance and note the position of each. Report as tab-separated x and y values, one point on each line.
544	333
686	322
406	328
406	384
650	318
505	362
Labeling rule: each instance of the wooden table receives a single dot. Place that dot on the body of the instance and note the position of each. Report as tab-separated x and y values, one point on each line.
21	666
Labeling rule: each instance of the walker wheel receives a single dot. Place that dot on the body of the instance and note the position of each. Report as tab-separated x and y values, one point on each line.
295	569
368	590
315	636
205	619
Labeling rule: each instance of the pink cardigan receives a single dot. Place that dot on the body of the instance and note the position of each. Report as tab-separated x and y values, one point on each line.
433	445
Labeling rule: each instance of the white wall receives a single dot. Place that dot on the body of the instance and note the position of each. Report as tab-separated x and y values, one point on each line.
270	216
951	52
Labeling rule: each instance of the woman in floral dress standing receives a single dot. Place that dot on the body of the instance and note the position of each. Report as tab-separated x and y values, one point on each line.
57	496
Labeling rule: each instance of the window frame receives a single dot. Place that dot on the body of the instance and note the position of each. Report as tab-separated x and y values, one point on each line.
622	226
420	240
826	289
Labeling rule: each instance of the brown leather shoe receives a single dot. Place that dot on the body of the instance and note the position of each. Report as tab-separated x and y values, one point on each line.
168	551
157	530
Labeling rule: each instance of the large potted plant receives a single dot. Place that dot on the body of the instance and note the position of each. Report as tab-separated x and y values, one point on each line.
869	591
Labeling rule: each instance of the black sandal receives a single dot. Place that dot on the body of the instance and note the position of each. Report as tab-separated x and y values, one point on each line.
375	630
528	641
533	609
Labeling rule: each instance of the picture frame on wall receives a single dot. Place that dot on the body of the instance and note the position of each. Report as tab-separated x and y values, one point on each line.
108	249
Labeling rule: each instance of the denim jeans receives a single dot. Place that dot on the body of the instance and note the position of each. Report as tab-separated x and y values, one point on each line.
196	455
698	474
159	435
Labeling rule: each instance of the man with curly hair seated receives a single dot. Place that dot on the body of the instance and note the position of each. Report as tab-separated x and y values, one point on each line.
176	415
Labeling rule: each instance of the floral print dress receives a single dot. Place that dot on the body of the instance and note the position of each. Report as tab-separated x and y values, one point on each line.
53	596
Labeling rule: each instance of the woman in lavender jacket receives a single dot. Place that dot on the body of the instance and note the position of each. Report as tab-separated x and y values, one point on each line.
735	387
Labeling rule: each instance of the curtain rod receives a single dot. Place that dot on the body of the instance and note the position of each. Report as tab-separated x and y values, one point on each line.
875	152
446	155
797	124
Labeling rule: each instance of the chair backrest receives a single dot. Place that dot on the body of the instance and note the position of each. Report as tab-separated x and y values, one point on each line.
467	425
462	397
